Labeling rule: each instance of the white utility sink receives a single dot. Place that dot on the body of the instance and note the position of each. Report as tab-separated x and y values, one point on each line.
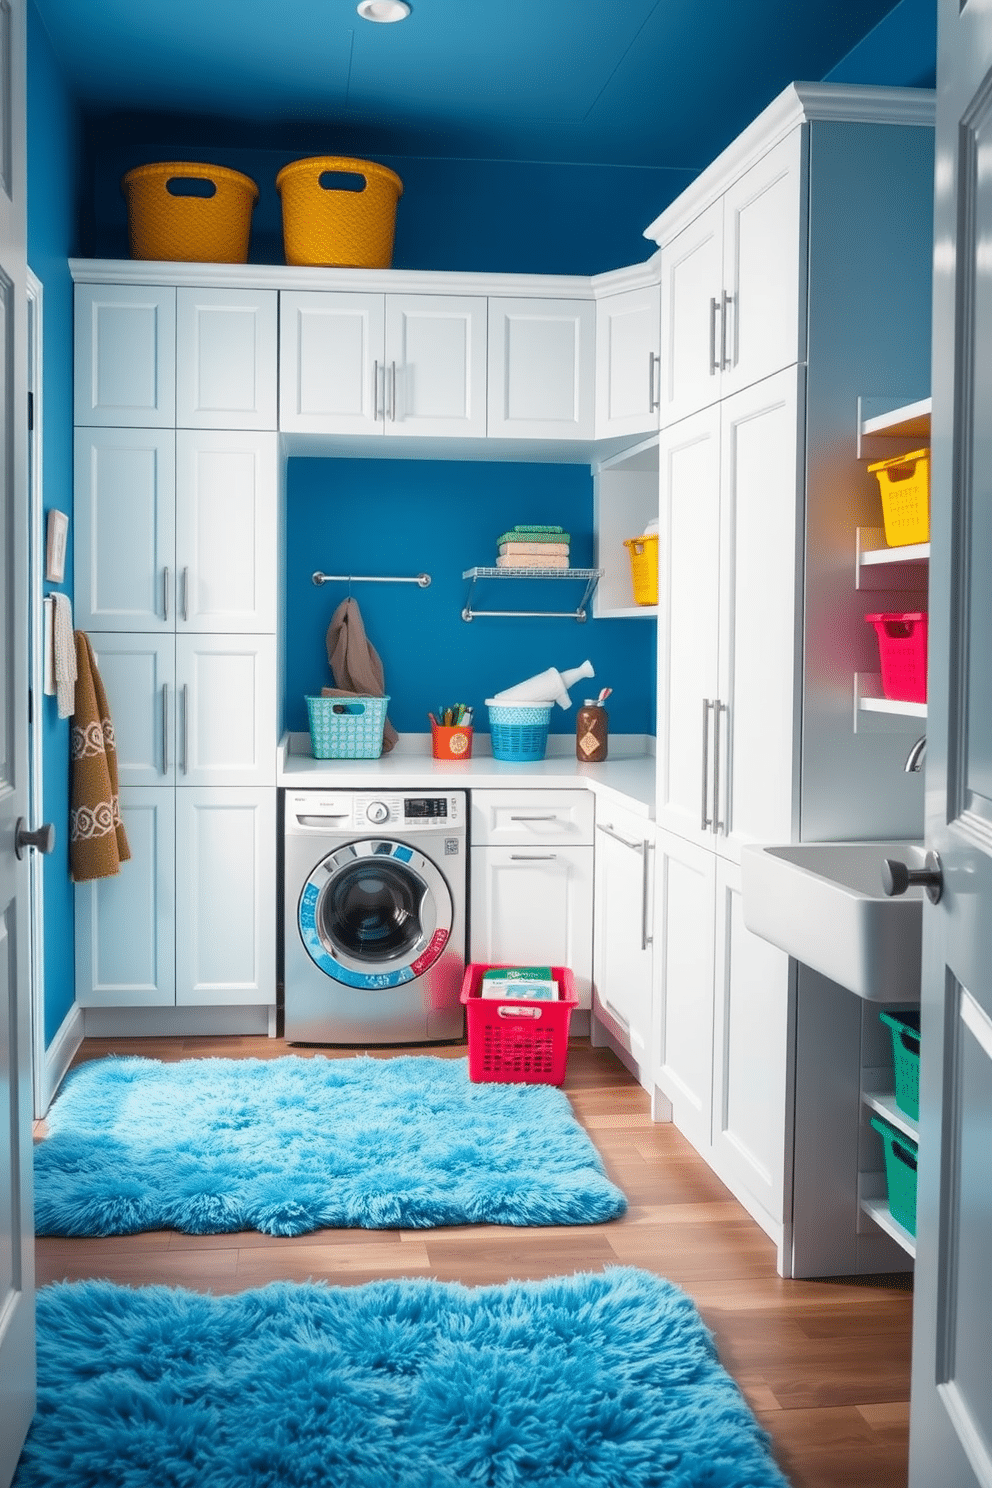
823	902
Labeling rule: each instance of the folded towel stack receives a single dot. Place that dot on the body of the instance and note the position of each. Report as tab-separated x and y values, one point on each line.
533	547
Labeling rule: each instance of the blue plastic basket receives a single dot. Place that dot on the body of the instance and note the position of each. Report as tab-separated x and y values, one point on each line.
519	731
346	727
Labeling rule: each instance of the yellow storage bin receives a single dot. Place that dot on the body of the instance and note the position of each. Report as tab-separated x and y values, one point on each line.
335	226
182	211
644	567
904	482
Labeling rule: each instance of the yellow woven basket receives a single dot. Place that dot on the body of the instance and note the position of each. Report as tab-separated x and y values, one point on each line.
643	567
165	222
334	227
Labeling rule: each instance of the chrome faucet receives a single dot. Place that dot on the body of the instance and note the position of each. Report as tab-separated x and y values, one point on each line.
914	760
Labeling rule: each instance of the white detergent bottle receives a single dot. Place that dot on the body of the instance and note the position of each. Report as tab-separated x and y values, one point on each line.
550	686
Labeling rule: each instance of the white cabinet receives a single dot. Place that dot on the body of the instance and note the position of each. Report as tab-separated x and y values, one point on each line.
131	341
353	363
542	368
733	306
722	1026
532	881
728	713
188	920
628	362
175	531
622	945
625	501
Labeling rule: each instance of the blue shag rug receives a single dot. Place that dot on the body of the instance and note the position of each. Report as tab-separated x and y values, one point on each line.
608	1380
289	1145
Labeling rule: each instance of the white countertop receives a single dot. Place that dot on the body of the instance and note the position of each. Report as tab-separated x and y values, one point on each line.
626	778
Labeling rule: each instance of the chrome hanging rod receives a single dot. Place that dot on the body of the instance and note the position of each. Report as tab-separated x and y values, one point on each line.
422	579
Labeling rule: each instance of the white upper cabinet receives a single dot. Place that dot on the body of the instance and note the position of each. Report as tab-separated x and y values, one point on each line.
628	362
733	304
125	355
227	362
542	368
383	364
175	531
132	340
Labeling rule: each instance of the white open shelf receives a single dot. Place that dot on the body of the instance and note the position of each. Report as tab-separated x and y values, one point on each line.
877	566
878	1210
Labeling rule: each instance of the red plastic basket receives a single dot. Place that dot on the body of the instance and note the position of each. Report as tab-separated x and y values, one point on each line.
902	648
512	1040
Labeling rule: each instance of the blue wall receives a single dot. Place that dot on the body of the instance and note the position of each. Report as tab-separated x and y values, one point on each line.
442	517
901	51
53	212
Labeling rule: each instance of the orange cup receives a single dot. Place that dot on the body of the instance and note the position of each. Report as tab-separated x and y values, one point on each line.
452	742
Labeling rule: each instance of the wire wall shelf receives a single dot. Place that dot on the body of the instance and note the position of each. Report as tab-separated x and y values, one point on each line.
588	576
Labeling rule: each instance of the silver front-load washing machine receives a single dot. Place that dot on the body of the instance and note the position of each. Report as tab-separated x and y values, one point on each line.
375	893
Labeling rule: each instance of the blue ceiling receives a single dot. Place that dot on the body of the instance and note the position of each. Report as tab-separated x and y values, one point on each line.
620	82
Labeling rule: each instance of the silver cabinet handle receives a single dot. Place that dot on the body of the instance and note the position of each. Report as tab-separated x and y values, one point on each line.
534	818
533	857
646	938
725	361
375	390
166	584
706	821
610	832
185	728
185	593
718	708
714	364
165	728
654	397
392	395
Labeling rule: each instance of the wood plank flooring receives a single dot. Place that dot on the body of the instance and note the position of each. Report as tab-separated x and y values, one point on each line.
825	1365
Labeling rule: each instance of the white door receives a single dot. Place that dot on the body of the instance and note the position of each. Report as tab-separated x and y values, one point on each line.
435	365
125	529
628	363
139	674
532	906
542	372
226	358
226	498
331	368
125	355
951	1415
622	951
691	310
225	709
688	622
17	1360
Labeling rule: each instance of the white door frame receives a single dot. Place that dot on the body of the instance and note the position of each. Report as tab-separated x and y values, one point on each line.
36	681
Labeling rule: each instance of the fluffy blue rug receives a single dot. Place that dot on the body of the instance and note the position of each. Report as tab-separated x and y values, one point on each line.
590	1380
289	1145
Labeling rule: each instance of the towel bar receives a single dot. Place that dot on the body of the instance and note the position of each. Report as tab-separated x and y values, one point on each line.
422	579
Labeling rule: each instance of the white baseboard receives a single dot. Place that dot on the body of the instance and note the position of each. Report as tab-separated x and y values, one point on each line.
178	1022
59	1055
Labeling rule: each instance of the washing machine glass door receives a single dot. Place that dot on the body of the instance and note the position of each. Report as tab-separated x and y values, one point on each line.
375	913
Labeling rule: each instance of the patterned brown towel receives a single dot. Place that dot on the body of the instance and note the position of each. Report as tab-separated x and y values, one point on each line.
97	841
355	662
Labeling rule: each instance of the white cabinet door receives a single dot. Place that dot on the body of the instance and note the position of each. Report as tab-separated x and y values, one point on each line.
628	363
435	365
733	285
622	948
139	676
532	906
126	925
331	369
529	817
125	355
225	897
226	523
124	523
752	1027
755	769
226	358
542	368
684	952
688	624
225	709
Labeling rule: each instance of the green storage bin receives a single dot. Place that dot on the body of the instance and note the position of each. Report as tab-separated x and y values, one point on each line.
905	1030
900	1173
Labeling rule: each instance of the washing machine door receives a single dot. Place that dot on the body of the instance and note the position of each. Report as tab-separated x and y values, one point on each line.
375	913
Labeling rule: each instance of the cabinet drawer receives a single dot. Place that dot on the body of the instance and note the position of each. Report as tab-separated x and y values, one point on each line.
504	817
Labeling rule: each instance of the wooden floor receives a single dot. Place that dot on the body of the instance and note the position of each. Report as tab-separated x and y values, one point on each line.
825	1365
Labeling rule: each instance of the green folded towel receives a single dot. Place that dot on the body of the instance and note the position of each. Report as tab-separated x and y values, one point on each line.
534	535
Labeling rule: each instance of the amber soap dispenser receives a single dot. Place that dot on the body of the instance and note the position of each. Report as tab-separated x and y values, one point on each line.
592	728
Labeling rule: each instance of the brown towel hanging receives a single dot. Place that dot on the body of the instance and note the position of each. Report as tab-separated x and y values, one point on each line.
97	840
355	663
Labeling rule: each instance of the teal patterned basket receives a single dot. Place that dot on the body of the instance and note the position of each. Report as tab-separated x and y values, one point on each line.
519	731
346	727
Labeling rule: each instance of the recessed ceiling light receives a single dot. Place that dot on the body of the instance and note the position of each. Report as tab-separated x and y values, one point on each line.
383	10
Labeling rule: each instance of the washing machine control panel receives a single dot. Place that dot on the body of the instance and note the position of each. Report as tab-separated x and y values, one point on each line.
422	812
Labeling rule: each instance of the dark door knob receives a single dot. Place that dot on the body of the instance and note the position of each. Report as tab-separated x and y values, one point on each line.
43	839
898	877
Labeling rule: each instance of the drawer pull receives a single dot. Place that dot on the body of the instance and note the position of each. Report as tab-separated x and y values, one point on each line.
533	857
535	818
608	829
